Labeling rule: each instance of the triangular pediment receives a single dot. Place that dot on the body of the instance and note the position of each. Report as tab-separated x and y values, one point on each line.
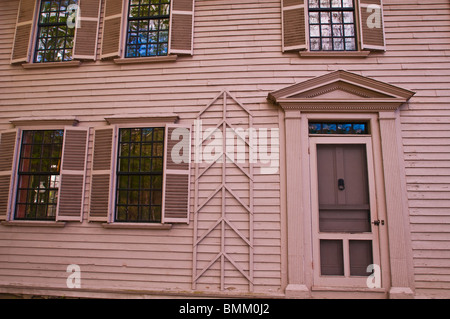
341	90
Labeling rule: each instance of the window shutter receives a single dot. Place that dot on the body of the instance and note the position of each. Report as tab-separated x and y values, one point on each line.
112	25
73	172
24	30
372	25
9	141
85	44
102	174
177	164
181	27
293	25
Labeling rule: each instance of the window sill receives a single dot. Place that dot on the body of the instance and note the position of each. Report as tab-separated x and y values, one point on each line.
155	226
327	54
51	65
33	223
153	59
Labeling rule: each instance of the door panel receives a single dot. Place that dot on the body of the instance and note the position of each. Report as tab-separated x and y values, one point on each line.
343	188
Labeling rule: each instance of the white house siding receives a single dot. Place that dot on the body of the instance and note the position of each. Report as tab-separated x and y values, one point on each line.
237	49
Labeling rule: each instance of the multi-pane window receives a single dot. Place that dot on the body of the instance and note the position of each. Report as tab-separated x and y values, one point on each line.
39	174
55	37
338	128
148	28
332	25
140	175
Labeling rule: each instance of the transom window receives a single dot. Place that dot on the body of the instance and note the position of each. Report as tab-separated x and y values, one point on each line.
148	28
338	128
39	174
55	38
140	175
332	25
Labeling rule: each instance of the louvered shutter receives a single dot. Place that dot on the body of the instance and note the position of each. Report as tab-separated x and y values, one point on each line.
102	175
85	44
293	23
181	27
112	25
372	25
176	174
9	141
24	30
73	169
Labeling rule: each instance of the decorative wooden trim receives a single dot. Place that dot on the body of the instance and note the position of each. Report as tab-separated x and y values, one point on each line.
45	121
334	54
154	59
369	95
223	222
150	226
34	223
142	118
48	65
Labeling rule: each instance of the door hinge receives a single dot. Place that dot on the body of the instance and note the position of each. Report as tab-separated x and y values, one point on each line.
378	222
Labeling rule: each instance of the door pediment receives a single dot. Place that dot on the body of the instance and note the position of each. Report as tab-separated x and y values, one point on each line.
341	91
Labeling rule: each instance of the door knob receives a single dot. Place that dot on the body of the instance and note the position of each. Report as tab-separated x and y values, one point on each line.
341	184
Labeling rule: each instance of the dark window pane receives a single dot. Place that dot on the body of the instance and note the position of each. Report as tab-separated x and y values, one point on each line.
360	257
331	258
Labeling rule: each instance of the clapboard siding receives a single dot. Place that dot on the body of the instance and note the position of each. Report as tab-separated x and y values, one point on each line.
237	47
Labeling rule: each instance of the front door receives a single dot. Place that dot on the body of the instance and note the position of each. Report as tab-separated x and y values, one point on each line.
345	225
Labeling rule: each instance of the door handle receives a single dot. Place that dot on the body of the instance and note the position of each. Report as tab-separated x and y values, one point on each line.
341	184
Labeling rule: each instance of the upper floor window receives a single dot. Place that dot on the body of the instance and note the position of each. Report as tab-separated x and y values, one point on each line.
350	28
55	39
332	25
148	28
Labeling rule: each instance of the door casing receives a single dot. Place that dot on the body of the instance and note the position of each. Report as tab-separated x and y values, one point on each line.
346	280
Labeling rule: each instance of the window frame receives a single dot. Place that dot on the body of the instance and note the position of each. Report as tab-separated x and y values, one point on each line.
36	36
117	174
126	29
18	174
356	25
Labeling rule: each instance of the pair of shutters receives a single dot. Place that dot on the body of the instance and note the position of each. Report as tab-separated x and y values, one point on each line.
72	172
295	21
176	179
181	28
86	36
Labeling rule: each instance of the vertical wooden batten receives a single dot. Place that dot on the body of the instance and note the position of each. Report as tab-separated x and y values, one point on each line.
9	141
181	31
73	174
102	174
293	25
112	29
86	36
24	31
372	35
176	178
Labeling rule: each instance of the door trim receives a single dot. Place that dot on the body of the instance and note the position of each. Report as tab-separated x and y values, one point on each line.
346	280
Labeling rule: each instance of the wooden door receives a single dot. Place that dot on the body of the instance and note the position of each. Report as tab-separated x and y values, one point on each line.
344	211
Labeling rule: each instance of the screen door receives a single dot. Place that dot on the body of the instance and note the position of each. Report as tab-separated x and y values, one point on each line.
344	211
